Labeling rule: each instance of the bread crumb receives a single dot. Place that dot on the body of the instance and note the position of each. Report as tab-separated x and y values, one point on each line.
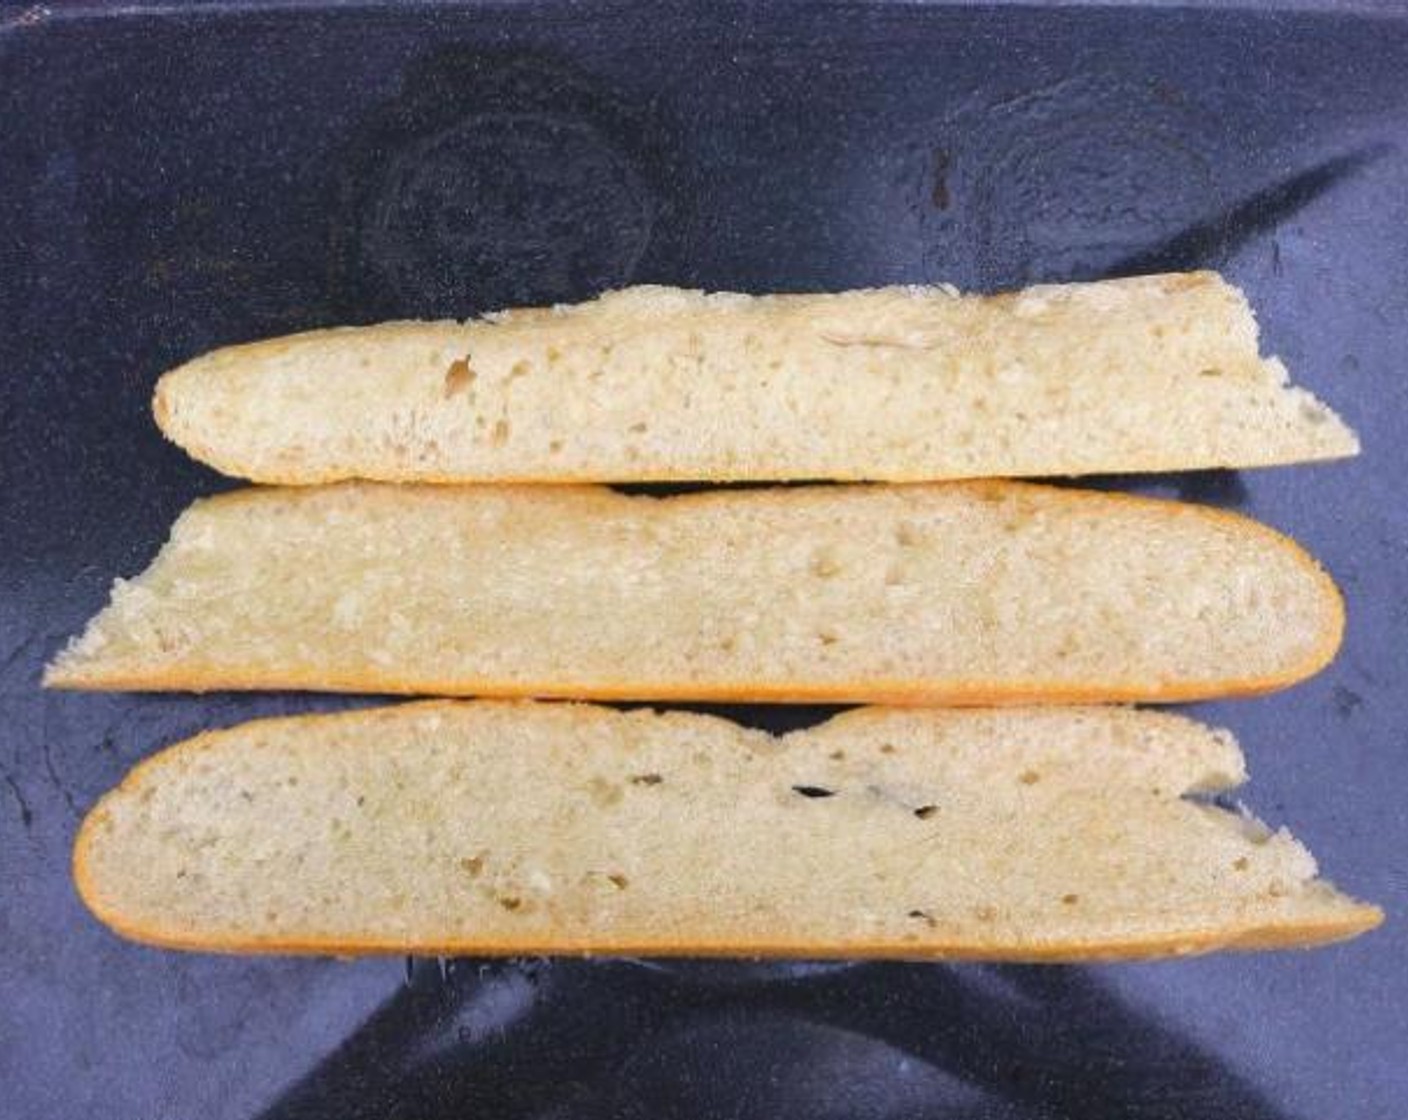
603	792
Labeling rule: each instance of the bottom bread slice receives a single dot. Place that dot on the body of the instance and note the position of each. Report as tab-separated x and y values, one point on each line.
521	827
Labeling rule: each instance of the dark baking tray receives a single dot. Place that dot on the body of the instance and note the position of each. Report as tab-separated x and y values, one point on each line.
176	178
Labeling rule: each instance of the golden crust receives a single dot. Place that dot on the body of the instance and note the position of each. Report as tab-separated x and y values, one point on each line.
1349	922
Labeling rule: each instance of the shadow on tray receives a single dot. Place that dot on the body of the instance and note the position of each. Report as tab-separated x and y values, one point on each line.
621	1039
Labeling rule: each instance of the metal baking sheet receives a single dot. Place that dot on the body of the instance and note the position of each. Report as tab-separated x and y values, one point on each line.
174	177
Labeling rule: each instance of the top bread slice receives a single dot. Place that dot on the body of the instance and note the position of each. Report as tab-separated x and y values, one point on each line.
1153	373
444	827
958	593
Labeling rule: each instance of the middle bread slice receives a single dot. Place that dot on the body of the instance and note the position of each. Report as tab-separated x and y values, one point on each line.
960	593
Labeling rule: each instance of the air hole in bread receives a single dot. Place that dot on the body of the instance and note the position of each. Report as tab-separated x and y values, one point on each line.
814	791
906	535
924	812
824	564
647	779
458	377
603	792
1210	791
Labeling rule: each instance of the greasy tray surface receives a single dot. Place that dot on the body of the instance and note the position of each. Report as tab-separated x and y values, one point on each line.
170	183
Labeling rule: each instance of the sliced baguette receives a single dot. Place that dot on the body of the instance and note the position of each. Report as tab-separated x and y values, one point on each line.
442	827
962	593
905	384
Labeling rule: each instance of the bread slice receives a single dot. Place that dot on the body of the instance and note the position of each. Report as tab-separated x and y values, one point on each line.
443	827
904	384
962	593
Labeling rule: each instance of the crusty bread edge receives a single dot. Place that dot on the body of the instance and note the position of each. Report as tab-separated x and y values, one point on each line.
197	678
644	473
1358	918
955	694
